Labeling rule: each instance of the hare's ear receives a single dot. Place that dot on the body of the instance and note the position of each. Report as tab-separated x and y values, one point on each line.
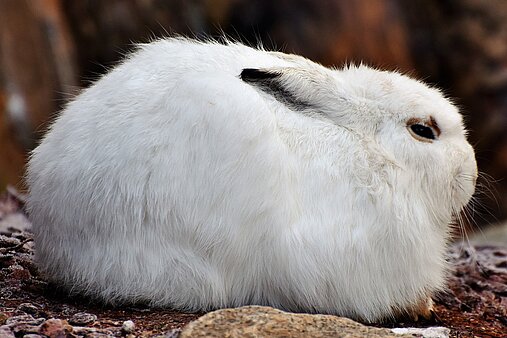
297	88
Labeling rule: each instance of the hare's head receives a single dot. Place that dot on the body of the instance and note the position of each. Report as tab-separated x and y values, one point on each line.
410	132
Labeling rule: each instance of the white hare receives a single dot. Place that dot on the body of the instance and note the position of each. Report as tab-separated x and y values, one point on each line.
201	175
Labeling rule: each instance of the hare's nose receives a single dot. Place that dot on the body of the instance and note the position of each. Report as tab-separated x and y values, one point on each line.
474	180
469	166
475	170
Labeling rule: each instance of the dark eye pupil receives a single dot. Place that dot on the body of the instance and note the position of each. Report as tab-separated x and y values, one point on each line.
423	131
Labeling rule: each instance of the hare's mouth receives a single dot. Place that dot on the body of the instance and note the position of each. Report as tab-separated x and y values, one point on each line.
467	207
463	189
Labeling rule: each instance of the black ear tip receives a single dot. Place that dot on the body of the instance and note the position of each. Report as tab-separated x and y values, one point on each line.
249	72
255	74
269	81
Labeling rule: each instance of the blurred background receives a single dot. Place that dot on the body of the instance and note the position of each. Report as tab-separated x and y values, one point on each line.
49	49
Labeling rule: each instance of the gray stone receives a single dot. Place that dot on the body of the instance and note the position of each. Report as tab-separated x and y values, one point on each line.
428	332
24	319
82	318
22	329
100	335
6	332
17	221
9	242
28	308
174	333
128	326
91	331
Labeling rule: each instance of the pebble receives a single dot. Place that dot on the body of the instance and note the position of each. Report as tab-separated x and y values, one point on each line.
428	332
100	335
128	326
55	328
3	318
6	260
174	333
20	330
82	318
9	242
24	319
18	272
26	261
5	332
91	332
7	293
28	308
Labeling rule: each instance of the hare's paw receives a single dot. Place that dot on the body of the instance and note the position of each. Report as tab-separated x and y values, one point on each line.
422	310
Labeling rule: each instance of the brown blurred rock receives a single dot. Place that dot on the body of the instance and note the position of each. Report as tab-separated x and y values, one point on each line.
105	30
36	68
462	46
261	321
331	32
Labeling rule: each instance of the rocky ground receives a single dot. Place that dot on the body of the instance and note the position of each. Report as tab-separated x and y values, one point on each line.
475	305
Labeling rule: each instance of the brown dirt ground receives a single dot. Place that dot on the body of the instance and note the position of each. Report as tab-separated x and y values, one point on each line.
475	305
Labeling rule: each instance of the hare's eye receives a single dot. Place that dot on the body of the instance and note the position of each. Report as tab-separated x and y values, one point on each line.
423	131
426	130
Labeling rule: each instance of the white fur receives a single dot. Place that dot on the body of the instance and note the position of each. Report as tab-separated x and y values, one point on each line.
172	181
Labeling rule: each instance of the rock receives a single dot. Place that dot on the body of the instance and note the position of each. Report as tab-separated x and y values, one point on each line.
82	318
5	332
26	261
91	332
7	292
128	326
100	335
174	333
3	318
32	335
55	328
260	321
21	329
23	319
6	260
429	332
15	221
28	308
8	242
19	272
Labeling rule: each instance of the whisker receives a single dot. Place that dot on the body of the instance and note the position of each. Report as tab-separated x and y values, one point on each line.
485	191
